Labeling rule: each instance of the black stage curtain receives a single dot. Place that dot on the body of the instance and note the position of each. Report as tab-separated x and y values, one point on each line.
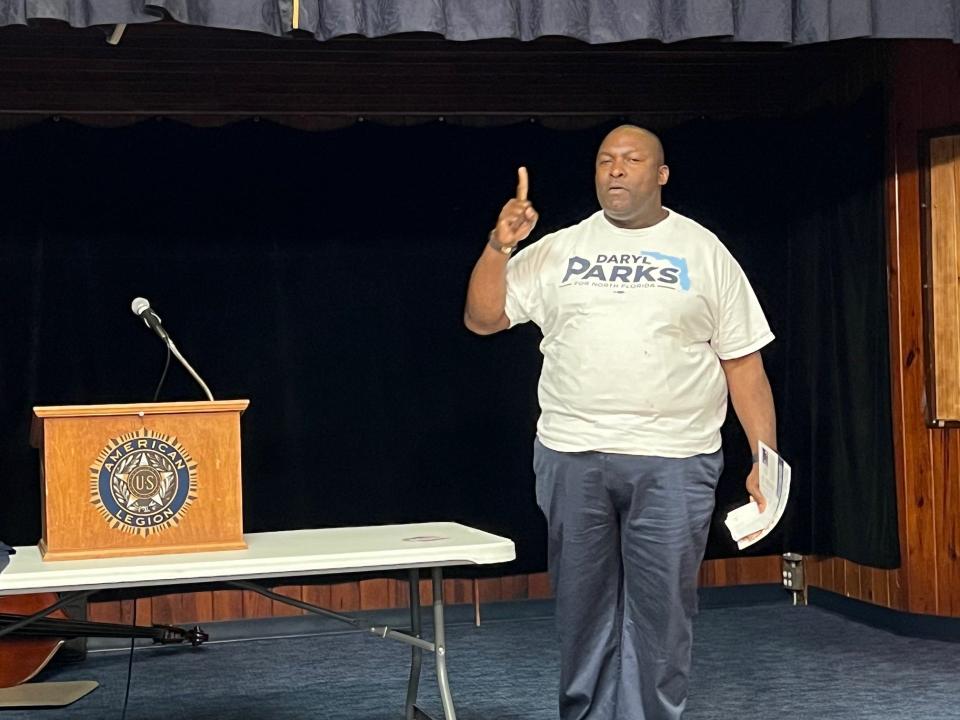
594	21
322	275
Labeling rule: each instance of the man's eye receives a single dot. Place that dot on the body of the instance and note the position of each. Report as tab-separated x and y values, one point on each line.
605	161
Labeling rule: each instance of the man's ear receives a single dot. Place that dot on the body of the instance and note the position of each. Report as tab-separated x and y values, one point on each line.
663	174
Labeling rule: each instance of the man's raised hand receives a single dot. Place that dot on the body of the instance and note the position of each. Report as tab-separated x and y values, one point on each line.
518	218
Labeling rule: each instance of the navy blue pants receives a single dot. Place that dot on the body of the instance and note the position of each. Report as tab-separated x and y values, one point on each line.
627	535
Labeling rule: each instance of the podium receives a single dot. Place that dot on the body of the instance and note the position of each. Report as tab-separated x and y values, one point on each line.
139	479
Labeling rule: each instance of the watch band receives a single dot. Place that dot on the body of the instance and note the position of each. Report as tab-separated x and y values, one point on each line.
505	249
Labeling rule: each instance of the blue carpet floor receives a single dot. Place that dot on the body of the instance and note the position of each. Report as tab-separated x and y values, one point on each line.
771	661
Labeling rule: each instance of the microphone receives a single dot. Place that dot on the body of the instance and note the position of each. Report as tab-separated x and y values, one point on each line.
141	308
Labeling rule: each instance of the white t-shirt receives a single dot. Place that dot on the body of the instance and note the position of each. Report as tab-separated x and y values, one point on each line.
634	324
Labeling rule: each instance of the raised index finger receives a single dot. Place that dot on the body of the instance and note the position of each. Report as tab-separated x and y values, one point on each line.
522	183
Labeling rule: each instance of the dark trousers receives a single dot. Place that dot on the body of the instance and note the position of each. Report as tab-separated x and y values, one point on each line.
627	535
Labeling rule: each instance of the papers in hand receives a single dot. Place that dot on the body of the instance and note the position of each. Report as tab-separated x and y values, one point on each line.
747	524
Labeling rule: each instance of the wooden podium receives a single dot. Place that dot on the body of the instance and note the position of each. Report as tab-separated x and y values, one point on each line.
139	479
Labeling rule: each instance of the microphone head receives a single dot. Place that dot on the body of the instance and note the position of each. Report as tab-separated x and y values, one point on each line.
139	305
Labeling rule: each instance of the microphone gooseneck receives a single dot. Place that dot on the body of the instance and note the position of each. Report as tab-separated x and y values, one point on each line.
141	308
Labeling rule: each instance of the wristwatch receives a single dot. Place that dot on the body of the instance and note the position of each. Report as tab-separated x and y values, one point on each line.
492	242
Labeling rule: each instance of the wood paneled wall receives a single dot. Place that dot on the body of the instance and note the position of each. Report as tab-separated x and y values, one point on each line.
924	93
380	593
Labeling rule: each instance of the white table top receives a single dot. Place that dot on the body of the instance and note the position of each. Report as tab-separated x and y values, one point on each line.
271	554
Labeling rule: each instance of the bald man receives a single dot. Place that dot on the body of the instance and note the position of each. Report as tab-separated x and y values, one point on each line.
648	324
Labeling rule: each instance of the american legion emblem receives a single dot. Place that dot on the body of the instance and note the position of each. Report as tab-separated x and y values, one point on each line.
143	482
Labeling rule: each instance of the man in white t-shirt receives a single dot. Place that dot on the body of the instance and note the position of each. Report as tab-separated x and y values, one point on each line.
648	323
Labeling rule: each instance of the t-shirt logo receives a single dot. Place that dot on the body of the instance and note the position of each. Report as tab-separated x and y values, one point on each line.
647	269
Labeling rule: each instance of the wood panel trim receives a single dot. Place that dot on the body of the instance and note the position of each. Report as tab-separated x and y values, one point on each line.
940	235
385	593
914	464
165	69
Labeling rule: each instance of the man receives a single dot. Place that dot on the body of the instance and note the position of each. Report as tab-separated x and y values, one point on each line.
647	323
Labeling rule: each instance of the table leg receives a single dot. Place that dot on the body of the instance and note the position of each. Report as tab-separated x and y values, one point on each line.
440	642
416	653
